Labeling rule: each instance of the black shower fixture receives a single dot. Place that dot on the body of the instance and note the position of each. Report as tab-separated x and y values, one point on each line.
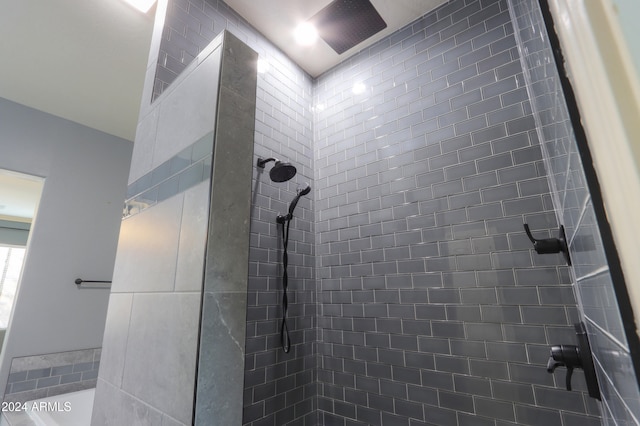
292	206
572	357
550	245
285	221
280	172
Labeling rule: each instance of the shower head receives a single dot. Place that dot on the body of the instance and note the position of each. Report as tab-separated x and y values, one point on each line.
280	172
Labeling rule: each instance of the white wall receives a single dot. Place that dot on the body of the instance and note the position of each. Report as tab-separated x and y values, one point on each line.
74	234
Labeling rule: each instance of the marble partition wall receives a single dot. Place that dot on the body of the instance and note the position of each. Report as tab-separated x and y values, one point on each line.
220	383
186	218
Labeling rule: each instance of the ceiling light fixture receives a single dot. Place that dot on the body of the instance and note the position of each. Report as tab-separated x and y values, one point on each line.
305	34
142	5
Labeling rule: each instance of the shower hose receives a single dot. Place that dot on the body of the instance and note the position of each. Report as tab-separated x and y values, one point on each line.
285	221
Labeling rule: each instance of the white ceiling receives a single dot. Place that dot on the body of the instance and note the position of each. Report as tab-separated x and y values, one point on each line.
83	60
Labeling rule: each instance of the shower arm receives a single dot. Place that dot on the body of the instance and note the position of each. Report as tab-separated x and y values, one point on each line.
261	162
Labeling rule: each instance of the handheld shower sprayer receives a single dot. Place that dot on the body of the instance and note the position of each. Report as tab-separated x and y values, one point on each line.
285	221
292	206
302	192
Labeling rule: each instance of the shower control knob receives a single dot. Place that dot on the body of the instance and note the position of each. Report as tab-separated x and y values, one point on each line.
564	356
572	356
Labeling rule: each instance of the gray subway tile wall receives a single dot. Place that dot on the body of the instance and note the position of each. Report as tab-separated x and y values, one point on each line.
591	275
40	376
442	142
415	295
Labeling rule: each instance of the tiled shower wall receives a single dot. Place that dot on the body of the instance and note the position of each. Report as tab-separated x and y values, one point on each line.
40	376
592	276
148	364
434	309
279	388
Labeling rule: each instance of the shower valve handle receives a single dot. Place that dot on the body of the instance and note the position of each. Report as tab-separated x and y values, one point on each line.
564	356
576	356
